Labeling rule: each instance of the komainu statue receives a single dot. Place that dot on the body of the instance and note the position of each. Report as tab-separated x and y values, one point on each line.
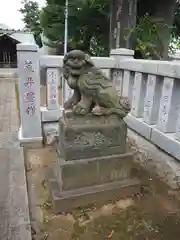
93	91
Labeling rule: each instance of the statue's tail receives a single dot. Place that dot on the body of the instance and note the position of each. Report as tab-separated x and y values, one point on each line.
121	109
118	111
125	103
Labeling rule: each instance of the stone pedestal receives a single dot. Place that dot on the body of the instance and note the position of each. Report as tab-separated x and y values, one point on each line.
91	136
92	164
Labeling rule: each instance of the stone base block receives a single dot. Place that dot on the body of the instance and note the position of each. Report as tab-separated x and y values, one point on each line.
92	163
139	126
91	136
68	200
167	142
79	183
93	171
33	142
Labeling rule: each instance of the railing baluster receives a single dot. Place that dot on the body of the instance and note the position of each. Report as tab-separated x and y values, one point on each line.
53	110
169	106
53	78
138	95
152	99
128	81
118	80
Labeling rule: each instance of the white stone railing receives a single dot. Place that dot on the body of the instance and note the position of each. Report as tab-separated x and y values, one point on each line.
153	88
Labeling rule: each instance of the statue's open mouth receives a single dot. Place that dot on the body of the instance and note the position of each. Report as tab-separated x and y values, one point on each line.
76	66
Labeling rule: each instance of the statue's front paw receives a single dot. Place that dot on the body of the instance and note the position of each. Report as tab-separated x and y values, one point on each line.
80	109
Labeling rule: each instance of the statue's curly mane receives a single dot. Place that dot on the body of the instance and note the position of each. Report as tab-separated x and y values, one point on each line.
94	78
93	90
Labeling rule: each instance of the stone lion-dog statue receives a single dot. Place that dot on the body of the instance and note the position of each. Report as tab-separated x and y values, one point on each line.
93	91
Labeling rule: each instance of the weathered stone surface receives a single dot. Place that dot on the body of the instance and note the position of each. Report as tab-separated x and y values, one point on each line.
94	171
14	208
98	194
68	194
92	163
91	136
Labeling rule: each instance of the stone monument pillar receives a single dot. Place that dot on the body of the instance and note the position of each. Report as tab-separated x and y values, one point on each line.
29	92
93	164
122	20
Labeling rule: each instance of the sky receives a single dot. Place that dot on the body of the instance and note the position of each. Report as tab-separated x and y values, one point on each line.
10	15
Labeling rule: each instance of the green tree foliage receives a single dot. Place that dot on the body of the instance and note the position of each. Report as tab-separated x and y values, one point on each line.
176	25
31	18
88	24
147	38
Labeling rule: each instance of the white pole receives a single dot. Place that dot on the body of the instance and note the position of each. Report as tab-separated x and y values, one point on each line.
66	28
65	48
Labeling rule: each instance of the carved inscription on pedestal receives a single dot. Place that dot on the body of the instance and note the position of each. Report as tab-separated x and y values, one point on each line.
91	139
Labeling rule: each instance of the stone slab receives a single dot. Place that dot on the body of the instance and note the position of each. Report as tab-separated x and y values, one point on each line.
101	194
34	141
91	136
14	206
167	142
155	160
51	115
139	126
94	171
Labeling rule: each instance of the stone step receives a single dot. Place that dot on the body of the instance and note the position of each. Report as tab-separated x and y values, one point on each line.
97	195
94	171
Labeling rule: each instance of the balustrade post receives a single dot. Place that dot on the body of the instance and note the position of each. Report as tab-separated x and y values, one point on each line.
128	82
29	93
169	106
138	95
152	99
121	81
53	78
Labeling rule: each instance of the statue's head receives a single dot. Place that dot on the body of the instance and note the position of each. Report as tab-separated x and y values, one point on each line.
76	60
